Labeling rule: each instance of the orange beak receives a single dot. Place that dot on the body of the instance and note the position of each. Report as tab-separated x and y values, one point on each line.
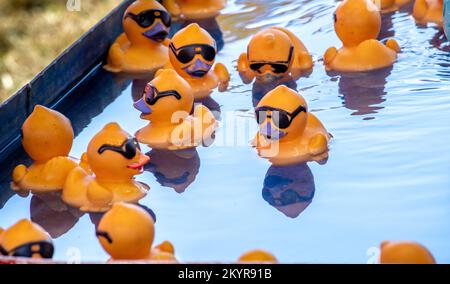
143	160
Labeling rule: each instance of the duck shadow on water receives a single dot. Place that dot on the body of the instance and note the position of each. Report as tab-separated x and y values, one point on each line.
289	189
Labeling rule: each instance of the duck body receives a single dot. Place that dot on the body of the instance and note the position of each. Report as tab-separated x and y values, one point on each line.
142	48
195	9
405	252
113	170
51	165
357	24
429	11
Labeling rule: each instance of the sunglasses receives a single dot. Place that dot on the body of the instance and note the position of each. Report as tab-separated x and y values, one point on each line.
286	197
146	18
128	149
152	95
278	67
280	118
185	54
44	248
105	235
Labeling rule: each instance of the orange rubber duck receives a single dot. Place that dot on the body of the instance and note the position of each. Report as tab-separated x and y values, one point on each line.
405	252
142	48
429	11
47	137
274	53
289	134
258	256
115	158
389	6
194	9
167	102
26	239
126	232
192	54
357	24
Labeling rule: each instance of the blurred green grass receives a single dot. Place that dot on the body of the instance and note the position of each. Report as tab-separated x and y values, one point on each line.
34	32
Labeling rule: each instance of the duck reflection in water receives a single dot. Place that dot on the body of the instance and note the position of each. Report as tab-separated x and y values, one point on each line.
289	189
260	89
174	169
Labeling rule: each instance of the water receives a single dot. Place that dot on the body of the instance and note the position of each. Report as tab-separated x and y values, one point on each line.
386	178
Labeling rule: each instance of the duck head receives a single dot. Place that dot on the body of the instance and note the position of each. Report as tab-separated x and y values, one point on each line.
126	231
270	54
258	255
26	239
192	51
356	21
46	134
146	20
281	114
166	99
114	155
405	252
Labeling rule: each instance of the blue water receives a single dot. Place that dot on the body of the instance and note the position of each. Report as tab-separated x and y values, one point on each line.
387	177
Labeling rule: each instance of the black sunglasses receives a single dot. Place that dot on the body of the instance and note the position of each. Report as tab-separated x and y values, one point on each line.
44	248
152	95
287	197
185	54
105	235
278	67
128	149
281	118
146	18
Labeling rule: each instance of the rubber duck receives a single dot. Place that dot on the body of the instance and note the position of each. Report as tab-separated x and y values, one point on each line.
289	134
115	158
258	256
405	252
357	24
272	54
126	232
194	9
429	11
192	53
142	48
167	102
26	239
389	6
47	137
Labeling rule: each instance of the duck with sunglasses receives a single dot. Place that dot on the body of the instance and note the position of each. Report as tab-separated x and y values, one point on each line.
167	103
115	158
194	9
142	48
274	54
192	54
289	134
26	239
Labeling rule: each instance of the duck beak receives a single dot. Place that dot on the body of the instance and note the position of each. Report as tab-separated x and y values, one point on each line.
141	106
157	33
139	165
271	133
198	69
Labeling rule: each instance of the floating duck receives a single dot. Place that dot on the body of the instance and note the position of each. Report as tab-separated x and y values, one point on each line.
272	54
192	54
429	11
388	6
47	137
167	103
357	24
289	134
258	256
115	158
405	252
142	48
26	239
126	232
194	9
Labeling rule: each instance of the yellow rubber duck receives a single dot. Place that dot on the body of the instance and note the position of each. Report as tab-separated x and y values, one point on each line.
405	252
26	239
47	137
142	48
274	53
115	158
429	11
289	134
258	256
194	9
126	232
389	6
167	103
192	54
357	24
